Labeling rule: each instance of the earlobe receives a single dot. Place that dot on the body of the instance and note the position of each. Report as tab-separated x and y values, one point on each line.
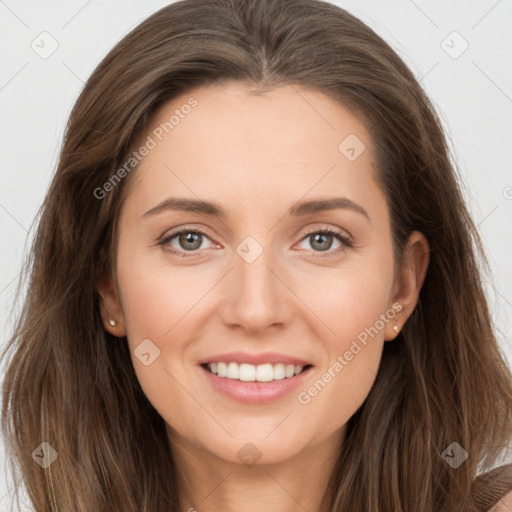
390	335
110	308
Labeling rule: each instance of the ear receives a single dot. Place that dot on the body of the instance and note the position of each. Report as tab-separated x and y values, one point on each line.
408	282
110	307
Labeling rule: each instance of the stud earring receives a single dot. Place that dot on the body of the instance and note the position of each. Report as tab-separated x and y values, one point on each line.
112	322
397	330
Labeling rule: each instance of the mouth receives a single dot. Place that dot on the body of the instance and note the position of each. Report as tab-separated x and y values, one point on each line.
246	372
255	378
264	383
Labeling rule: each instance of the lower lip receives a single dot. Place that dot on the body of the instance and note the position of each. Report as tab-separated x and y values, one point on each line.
255	392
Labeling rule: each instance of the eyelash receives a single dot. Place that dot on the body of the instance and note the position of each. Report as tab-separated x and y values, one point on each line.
346	241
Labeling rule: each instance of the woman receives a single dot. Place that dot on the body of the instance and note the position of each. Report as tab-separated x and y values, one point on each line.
323	344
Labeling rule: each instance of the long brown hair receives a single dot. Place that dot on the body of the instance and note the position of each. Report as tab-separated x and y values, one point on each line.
71	384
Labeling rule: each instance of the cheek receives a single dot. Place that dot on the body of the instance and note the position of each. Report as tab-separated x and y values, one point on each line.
351	298
356	308
335	396
156	305
155	297
344	381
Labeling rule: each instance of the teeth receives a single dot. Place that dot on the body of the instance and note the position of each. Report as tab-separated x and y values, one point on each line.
247	372
232	371
221	369
250	373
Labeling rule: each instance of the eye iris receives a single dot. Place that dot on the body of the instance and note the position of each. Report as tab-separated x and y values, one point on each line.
322	237
190	237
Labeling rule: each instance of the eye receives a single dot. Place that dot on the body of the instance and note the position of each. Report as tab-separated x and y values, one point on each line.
188	240
321	240
191	240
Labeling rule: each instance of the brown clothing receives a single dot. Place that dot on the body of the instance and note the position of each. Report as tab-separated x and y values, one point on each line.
489	488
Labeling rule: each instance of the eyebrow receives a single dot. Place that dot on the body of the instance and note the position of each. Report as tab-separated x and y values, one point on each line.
215	210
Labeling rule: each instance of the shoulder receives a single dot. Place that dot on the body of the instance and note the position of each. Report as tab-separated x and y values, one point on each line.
492	491
504	505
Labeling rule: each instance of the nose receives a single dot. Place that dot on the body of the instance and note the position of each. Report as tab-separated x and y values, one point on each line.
257	297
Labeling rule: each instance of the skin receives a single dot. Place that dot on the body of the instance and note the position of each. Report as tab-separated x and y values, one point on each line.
505	504
257	155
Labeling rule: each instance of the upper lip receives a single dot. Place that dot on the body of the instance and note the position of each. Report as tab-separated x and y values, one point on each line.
255	359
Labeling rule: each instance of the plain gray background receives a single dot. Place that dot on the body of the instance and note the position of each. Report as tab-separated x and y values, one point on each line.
460	50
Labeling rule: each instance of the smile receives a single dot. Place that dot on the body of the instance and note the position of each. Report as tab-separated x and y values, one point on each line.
255	379
254	373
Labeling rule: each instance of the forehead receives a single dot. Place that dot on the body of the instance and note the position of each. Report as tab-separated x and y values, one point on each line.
238	144
288	120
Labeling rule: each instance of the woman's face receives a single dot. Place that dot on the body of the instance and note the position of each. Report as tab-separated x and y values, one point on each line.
253	281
